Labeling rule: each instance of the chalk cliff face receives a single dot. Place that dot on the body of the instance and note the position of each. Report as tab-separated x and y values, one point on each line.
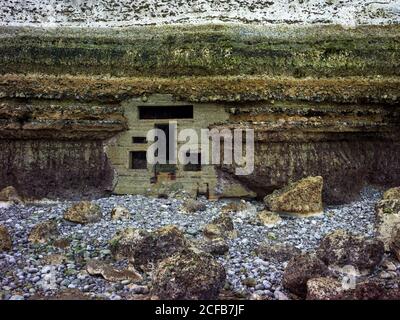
322	100
127	12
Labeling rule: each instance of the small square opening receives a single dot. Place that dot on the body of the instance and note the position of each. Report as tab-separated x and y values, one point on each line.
139	140
165	112
193	166
138	160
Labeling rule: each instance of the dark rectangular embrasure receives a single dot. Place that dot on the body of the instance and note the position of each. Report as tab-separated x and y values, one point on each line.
166	112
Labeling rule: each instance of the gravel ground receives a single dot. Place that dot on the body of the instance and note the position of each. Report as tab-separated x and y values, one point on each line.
25	274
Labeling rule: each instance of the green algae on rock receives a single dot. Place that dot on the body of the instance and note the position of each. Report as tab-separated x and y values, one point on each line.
303	197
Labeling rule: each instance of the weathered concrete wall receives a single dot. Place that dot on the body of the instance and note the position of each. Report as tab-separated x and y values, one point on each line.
138	181
128	12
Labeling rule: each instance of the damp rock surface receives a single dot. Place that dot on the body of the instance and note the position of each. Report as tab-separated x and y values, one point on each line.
341	248
301	197
189	275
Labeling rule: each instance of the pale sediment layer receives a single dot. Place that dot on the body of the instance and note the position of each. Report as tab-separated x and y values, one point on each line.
111	13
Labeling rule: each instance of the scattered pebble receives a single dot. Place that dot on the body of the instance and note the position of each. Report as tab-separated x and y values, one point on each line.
25	272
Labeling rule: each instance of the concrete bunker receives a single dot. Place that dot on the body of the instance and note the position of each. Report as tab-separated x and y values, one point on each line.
127	151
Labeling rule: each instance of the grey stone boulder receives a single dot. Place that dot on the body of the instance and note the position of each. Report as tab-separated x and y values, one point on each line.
392	194
300	269
324	288
43	232
387	213
5	239
267	218
369	289
300	198
395	244
235	207
120	213
110	273
146	248
220	227
188	275
10	194
216	246
279	252
192	206
83	212
341	248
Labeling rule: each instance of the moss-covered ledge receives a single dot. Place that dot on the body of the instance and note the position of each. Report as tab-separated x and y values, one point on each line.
382	90
208	50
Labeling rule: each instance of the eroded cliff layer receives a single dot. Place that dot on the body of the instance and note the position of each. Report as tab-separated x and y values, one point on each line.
349	145
322	100
55	169
53	148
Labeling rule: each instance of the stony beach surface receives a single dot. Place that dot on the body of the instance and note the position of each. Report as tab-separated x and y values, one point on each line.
43	270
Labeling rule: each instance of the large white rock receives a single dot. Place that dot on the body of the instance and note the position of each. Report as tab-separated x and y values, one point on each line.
387	212
303	197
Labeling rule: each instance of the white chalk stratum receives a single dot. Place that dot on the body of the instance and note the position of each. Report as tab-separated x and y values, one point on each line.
114	13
